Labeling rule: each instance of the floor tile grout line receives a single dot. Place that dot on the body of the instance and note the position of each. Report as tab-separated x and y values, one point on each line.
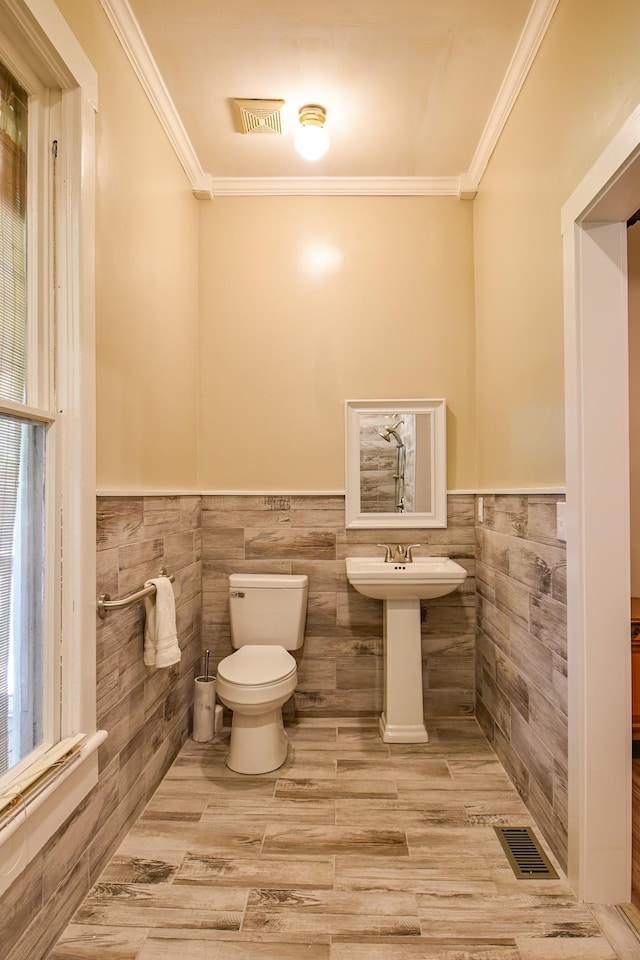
244	912
143	944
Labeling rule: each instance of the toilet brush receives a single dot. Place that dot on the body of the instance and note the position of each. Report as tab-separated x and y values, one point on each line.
204	702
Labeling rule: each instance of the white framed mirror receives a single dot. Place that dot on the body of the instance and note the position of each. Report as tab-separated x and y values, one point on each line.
396	463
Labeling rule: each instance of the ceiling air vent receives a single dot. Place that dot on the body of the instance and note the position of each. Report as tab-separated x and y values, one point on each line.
259	116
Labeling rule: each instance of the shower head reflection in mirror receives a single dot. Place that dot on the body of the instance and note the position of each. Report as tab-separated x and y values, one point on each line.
398	473
399	484
389	432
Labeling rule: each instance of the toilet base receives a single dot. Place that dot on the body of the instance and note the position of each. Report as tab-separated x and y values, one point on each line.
258	743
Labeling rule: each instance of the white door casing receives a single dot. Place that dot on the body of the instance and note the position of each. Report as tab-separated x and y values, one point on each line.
598	526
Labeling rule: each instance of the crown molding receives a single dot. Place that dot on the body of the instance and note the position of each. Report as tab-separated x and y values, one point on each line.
205	186
135	46
335	186
528	45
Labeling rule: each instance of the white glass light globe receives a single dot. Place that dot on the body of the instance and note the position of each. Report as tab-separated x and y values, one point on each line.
312	141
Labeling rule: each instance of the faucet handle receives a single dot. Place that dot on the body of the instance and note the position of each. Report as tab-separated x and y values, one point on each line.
388	555
409	552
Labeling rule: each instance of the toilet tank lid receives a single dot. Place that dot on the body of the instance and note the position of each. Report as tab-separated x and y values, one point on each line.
269	581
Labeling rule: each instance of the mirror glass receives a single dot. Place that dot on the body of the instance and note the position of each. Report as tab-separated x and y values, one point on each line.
396	463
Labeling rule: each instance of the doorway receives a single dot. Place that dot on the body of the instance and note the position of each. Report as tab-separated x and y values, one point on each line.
598	519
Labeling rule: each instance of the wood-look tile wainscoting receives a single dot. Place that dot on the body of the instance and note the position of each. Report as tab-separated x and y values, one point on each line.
519	682
341	667
353	850
146	713
521	679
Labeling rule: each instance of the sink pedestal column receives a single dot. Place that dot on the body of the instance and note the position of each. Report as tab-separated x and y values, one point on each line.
403	718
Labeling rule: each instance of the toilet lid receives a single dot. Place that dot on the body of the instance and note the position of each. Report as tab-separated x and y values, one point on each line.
257	665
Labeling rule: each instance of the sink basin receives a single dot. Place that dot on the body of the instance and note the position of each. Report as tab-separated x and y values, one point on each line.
422	579
402	586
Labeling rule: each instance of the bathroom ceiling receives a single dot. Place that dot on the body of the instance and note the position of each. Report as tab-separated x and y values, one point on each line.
409	85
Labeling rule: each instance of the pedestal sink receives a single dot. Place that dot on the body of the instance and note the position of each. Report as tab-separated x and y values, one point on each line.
402	586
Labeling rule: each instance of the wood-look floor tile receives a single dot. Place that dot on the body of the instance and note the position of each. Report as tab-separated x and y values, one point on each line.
241	947
163	905
398	769
320	911
357	737
506	806
489	770
353	850
619	928
175	839
280	872
336	789
391	903
508	884
435	749
414	874
212	788
335	840
359	744
276	809
313	739
561	948
175	808
312	764
468	788
369	948
364	752
359	723
455	729
473	842
137	870
490	916
81	941
398	813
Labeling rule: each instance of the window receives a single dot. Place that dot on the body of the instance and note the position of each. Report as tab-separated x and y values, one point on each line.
23	459
48	742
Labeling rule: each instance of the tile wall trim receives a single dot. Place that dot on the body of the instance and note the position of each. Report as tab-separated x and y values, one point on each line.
220	493
494	491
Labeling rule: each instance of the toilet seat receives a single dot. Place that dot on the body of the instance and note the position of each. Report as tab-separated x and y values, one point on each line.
255	665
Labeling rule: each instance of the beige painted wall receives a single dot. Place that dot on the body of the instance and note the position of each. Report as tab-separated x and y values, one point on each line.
282	336
583	85
308	301
146	302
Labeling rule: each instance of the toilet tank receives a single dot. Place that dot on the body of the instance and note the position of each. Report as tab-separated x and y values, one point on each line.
268	608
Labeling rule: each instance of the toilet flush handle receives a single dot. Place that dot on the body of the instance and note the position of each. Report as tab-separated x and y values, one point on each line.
236	593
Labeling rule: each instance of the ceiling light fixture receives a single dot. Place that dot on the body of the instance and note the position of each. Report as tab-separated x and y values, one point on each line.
312	140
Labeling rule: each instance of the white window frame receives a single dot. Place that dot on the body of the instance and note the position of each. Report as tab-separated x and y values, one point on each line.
35	32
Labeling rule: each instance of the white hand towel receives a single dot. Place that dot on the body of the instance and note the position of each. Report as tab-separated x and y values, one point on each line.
161	647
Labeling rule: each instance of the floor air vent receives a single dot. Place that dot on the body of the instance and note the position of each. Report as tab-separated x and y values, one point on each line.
524	853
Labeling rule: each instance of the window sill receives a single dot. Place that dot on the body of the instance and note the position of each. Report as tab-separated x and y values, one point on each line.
26	834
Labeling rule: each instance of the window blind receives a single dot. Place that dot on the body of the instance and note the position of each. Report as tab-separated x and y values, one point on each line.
13	241
13	357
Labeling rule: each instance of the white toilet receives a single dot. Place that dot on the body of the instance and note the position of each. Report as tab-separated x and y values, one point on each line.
268	613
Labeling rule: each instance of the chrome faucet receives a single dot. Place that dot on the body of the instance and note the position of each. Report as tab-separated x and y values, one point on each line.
399	553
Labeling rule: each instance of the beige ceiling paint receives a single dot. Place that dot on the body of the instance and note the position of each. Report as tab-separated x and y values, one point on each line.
408	85
583	84
306	302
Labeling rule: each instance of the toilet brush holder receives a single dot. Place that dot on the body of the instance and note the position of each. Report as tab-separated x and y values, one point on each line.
204	703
